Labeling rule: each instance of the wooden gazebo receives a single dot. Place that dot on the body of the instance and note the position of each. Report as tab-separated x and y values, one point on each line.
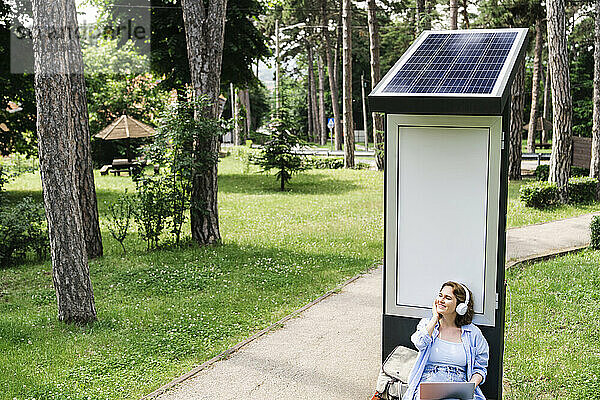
125	127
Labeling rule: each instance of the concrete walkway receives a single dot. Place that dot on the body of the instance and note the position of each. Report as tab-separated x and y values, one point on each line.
332	349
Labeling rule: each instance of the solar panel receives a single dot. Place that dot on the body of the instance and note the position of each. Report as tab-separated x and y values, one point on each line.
454	63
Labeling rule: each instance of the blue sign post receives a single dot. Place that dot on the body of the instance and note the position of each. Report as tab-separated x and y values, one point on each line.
330	125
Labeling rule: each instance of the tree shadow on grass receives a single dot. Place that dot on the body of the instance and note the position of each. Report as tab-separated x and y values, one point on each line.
15	196
268	184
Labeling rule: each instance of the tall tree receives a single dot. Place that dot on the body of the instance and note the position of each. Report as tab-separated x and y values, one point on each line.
204	28
421	15
244	41
238	124
378	122
322	115
347	84
83	159
453	14
516	123
314	108
333	78
58	66
560	159
535	87
595	162
245	96
465	14
547	105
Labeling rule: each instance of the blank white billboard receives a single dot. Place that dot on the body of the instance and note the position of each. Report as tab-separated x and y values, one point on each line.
443	182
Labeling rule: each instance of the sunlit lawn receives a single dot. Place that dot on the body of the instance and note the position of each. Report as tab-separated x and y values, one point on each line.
552	348
162	312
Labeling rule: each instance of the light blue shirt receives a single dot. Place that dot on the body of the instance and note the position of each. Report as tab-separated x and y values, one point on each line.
476	349
444	352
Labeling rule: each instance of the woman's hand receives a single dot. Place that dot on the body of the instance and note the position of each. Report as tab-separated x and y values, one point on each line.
436	315
433	322
476	379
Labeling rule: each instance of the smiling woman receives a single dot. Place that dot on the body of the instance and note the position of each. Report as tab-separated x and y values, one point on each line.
451	348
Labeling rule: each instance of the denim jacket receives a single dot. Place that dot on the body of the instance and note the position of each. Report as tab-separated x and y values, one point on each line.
476	348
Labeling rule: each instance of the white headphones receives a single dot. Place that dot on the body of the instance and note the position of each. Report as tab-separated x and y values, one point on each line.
462	308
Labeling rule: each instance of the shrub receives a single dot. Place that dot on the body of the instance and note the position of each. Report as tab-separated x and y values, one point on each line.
152	208
582	190
539	194
119	216
182	146
595	232
578	171
361	165
542	172
316	162
22	229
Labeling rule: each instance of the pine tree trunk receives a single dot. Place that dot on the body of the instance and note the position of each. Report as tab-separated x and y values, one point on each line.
85	171
535	87
204	29
465	14
429	5
246	104
316	134
239	124
547	105
453	14
333	84
560	160
58	132
339	136
235	115
309	111
595	163
516	123
322	116
378	122
347	85
420	15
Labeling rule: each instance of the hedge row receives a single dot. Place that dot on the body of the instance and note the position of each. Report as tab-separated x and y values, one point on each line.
542	194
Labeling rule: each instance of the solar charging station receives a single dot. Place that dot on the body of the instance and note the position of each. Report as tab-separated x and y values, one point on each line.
447	106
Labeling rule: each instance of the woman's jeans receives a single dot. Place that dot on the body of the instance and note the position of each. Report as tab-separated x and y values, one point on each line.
441	373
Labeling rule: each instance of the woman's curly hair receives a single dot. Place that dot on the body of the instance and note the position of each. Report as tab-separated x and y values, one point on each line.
459	292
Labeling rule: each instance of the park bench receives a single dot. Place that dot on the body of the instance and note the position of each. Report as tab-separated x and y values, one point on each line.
124	165
536	156
104	169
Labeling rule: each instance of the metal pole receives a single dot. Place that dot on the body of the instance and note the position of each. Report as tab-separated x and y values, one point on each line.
364	107
277	100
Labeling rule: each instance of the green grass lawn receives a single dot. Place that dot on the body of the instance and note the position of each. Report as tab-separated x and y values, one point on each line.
518	214
552	344
162	312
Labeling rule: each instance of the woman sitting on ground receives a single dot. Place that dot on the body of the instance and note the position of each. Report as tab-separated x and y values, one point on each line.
451	348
